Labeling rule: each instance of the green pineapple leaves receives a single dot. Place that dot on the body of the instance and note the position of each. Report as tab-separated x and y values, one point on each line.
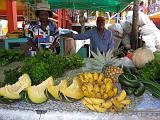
102	59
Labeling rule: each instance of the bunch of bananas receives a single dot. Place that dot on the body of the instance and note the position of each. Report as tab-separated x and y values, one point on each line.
115	104
96	85
112	72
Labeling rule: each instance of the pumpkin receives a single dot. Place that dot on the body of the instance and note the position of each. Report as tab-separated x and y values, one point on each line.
141	56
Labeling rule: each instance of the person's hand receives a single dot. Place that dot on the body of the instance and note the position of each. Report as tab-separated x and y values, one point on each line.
54	45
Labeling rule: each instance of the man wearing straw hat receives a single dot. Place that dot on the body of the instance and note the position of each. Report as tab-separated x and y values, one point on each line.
43	29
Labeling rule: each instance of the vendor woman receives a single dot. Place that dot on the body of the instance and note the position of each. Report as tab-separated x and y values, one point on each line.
43	29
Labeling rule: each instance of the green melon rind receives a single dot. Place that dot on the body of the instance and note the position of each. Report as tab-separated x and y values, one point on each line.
36	94
7	92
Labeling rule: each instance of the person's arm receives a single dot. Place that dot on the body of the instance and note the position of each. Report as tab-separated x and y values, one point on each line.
82	36
31	44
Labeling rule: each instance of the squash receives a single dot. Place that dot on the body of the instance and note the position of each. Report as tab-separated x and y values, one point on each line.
12	92
72	91
141	56
36	94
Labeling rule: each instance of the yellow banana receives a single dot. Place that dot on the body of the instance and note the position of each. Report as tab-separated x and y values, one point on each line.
86	93
90	106
98	95
112	109
100	78
96	89
84	101
110	93
89	77
121	96
92	94
90	87
115	89
107	104
118	105
109	86
97	101
88	100
126	102
106	80
89	74
95	76
102	89
99	108
105	96
86	77
81	77
84	87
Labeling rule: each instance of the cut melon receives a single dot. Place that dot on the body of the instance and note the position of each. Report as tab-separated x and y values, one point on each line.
74	90
54	91
13	91
37	93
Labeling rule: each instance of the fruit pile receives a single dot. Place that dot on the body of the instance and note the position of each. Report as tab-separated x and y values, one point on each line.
115	104
100	93
96	85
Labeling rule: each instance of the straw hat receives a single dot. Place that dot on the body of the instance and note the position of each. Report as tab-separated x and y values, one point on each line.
43	7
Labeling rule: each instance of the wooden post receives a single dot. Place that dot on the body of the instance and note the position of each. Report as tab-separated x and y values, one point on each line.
11	15
82	21
134	32
59	18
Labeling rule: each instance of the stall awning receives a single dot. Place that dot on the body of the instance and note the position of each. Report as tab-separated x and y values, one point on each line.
100	5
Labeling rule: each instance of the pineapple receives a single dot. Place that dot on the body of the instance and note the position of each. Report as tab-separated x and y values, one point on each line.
107	64
102	61
113	72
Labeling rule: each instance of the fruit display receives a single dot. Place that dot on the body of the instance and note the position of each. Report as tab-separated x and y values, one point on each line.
36	93
96	85
72	91
142	56
12	92
115	104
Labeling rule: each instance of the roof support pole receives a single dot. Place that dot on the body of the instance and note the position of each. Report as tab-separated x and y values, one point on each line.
59	18
134	32
11	15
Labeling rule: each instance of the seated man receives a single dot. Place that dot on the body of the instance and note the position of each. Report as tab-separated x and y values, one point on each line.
43	29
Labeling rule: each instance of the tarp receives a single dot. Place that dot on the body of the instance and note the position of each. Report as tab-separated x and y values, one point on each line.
100	5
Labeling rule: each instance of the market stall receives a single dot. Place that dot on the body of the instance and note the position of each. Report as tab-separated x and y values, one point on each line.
50	86
65	99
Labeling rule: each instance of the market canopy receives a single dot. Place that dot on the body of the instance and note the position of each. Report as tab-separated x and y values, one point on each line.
100	5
